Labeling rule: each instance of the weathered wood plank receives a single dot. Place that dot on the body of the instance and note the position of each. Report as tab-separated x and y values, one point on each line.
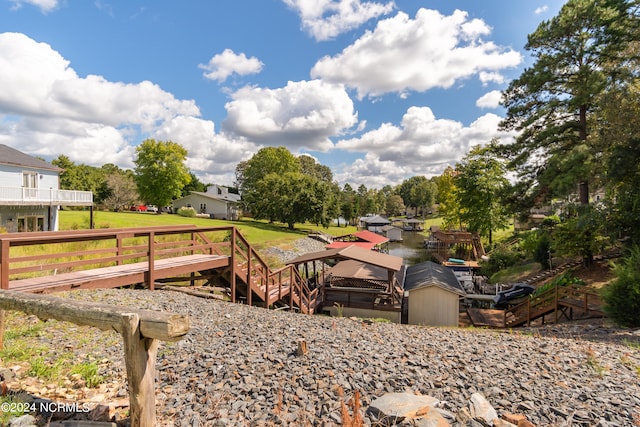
153	324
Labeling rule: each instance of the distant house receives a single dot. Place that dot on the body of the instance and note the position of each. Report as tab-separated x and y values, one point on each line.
217	202
30	195
432	294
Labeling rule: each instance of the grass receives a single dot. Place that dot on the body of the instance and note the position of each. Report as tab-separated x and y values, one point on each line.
16	408
89	373
515	273
259	233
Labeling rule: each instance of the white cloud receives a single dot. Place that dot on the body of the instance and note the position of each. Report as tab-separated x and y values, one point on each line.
300	115
404	54
541	9
47	109
490	99
224	64
326	19
490	77
213	157
45	6
421	145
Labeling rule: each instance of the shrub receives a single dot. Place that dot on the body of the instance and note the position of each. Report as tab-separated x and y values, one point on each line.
187	212
622	296
499	260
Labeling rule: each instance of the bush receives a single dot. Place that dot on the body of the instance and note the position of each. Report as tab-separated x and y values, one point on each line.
499	260
187	212
622	296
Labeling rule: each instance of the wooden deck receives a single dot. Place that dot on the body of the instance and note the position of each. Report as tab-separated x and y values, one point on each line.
43	262
119	275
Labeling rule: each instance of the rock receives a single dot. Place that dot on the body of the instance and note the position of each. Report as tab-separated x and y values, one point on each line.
23	421
479	407
395	407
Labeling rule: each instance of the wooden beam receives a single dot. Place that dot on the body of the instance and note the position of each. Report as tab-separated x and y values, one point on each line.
153	324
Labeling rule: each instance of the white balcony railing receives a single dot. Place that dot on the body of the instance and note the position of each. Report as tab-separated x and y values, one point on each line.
42	196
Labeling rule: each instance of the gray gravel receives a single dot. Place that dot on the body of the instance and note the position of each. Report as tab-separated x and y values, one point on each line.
238	366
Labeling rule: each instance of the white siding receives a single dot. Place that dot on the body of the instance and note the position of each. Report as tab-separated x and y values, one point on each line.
433	306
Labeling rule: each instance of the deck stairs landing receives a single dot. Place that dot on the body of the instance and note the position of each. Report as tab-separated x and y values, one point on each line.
569	302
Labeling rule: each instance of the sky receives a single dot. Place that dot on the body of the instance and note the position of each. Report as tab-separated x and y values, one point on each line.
379	91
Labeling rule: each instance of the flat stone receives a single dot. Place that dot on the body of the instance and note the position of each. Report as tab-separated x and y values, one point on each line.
398	406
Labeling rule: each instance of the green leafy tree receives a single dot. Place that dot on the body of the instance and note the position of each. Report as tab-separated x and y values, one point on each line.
309	166
160	171
249	174
480	181
581	232
423	195
347	207
576	58
410	197
622	296
194	185
394	205
448	203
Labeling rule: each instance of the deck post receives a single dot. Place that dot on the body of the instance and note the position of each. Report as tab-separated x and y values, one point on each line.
4	265
152	255
140	360
232	262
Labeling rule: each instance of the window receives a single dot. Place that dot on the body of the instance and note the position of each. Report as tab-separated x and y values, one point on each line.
30	183
203	208
31	223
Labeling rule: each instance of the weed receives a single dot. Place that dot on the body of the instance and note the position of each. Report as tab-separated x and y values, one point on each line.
632	344
89	373
33	330
594	363
19	351
14	408
42	369
339	309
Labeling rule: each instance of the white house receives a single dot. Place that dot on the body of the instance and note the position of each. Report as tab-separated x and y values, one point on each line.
217	202
30	195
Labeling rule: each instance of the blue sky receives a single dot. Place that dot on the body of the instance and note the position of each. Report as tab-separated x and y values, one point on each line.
379	91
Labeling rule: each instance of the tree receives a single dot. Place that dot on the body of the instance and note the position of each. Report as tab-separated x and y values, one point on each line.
394	205
407	192
479	182
347	207
309	166
160	171
576	59
622	296
249	174
423	195
194	185
448	203
122	191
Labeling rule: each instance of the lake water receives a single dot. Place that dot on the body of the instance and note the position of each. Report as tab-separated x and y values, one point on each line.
411	249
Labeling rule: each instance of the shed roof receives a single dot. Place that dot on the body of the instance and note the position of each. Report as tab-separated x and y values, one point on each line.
389	262
358	270
229	197
429	273
13	157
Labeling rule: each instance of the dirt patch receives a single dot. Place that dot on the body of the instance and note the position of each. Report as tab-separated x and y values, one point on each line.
597	275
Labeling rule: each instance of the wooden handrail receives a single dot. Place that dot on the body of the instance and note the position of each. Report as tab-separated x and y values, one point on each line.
141	331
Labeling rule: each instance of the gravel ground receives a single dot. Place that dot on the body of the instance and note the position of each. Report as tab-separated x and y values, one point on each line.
238	366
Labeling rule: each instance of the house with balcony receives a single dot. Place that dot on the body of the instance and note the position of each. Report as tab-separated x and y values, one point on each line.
30	194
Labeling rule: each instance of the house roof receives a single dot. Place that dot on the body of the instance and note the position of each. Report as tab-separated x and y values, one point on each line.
375	220
229	197
389	262
428	274
13	157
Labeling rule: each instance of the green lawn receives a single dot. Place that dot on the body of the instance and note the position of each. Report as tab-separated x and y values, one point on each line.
258	233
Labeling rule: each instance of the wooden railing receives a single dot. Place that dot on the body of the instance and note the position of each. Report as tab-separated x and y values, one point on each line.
269	286
554	300
141	332
45	254
49	253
